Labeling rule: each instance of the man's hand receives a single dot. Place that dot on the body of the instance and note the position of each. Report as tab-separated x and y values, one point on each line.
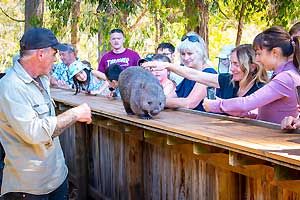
62	84
80	113
83	113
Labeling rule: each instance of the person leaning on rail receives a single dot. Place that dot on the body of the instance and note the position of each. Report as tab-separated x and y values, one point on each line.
34	162
84	79
193	54
278	98
168	85
168	49
246	75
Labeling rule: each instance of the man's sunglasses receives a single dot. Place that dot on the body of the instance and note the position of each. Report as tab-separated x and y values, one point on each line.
191	38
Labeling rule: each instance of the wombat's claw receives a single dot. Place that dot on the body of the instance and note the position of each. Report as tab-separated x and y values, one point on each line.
130	113
145	116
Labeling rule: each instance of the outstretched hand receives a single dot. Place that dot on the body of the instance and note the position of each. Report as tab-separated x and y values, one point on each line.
155	65
290	123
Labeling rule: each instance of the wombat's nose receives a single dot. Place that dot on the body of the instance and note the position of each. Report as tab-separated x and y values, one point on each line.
155	111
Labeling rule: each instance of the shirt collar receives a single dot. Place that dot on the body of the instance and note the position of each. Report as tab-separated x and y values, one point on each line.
22	74
283	67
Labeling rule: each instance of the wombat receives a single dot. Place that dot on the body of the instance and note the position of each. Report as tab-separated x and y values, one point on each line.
141	92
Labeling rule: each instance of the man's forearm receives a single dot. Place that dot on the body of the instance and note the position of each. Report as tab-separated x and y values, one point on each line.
64	120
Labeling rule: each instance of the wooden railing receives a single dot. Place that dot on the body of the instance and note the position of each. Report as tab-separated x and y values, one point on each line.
177	155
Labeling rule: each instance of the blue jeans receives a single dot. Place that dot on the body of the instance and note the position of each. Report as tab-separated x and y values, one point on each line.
2	155
61	193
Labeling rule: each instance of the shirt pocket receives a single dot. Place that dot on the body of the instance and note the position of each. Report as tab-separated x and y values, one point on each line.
41	109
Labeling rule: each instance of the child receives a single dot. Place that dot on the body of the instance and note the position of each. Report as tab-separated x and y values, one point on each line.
85	80
112	75
163	75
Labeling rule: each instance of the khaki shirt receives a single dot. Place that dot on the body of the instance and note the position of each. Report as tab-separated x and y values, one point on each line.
34	162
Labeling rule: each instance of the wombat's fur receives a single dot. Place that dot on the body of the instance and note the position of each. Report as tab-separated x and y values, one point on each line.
141	92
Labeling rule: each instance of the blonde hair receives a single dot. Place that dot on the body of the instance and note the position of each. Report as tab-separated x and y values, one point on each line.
198	47
246	57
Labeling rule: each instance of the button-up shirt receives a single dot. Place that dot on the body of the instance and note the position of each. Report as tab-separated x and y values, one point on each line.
34	162
61	72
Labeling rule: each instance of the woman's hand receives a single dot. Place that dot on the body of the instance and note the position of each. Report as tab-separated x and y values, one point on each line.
206	104
155	65
290	123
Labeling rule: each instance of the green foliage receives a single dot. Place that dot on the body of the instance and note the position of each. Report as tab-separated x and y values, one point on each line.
137	18
10	31
36	22
283	12
60	12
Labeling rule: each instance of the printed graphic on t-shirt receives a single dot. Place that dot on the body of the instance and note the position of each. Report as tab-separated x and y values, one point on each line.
121	61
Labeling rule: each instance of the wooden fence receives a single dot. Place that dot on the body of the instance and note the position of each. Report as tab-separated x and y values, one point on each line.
177	155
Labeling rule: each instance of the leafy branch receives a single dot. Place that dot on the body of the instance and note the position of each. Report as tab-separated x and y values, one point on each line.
17	20
138	20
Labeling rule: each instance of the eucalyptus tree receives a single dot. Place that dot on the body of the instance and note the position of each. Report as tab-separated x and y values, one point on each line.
64	18
34	12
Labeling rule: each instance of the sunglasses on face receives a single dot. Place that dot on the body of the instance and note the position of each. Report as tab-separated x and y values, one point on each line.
191	38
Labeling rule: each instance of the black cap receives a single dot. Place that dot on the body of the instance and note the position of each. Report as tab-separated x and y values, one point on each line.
39	38
146	59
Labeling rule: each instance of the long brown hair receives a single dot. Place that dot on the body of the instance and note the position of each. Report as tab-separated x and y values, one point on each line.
277	36
295	28
246	57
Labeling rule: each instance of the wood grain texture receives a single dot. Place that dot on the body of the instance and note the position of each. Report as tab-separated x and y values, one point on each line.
262	142
177	155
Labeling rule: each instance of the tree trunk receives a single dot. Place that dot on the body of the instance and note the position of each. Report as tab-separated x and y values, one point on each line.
74	23
157	27
204	17
102	51
189	12
34	10
240	25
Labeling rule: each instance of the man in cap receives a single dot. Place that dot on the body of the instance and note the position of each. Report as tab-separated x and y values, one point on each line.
224	61
34	164
119	55
60	76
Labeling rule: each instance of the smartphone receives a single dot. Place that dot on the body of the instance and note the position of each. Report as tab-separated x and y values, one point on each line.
298	94
211	92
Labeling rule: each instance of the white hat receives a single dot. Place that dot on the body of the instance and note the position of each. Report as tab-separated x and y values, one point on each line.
76	67
226	51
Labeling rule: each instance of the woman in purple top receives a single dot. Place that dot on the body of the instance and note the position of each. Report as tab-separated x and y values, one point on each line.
276	99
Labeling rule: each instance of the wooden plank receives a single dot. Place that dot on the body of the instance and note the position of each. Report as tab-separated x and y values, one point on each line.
133	131
236	159
81	159
221	160
268	143
291	185
171	140
284	173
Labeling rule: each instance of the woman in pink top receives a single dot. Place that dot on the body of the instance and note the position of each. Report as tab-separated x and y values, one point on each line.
276	99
